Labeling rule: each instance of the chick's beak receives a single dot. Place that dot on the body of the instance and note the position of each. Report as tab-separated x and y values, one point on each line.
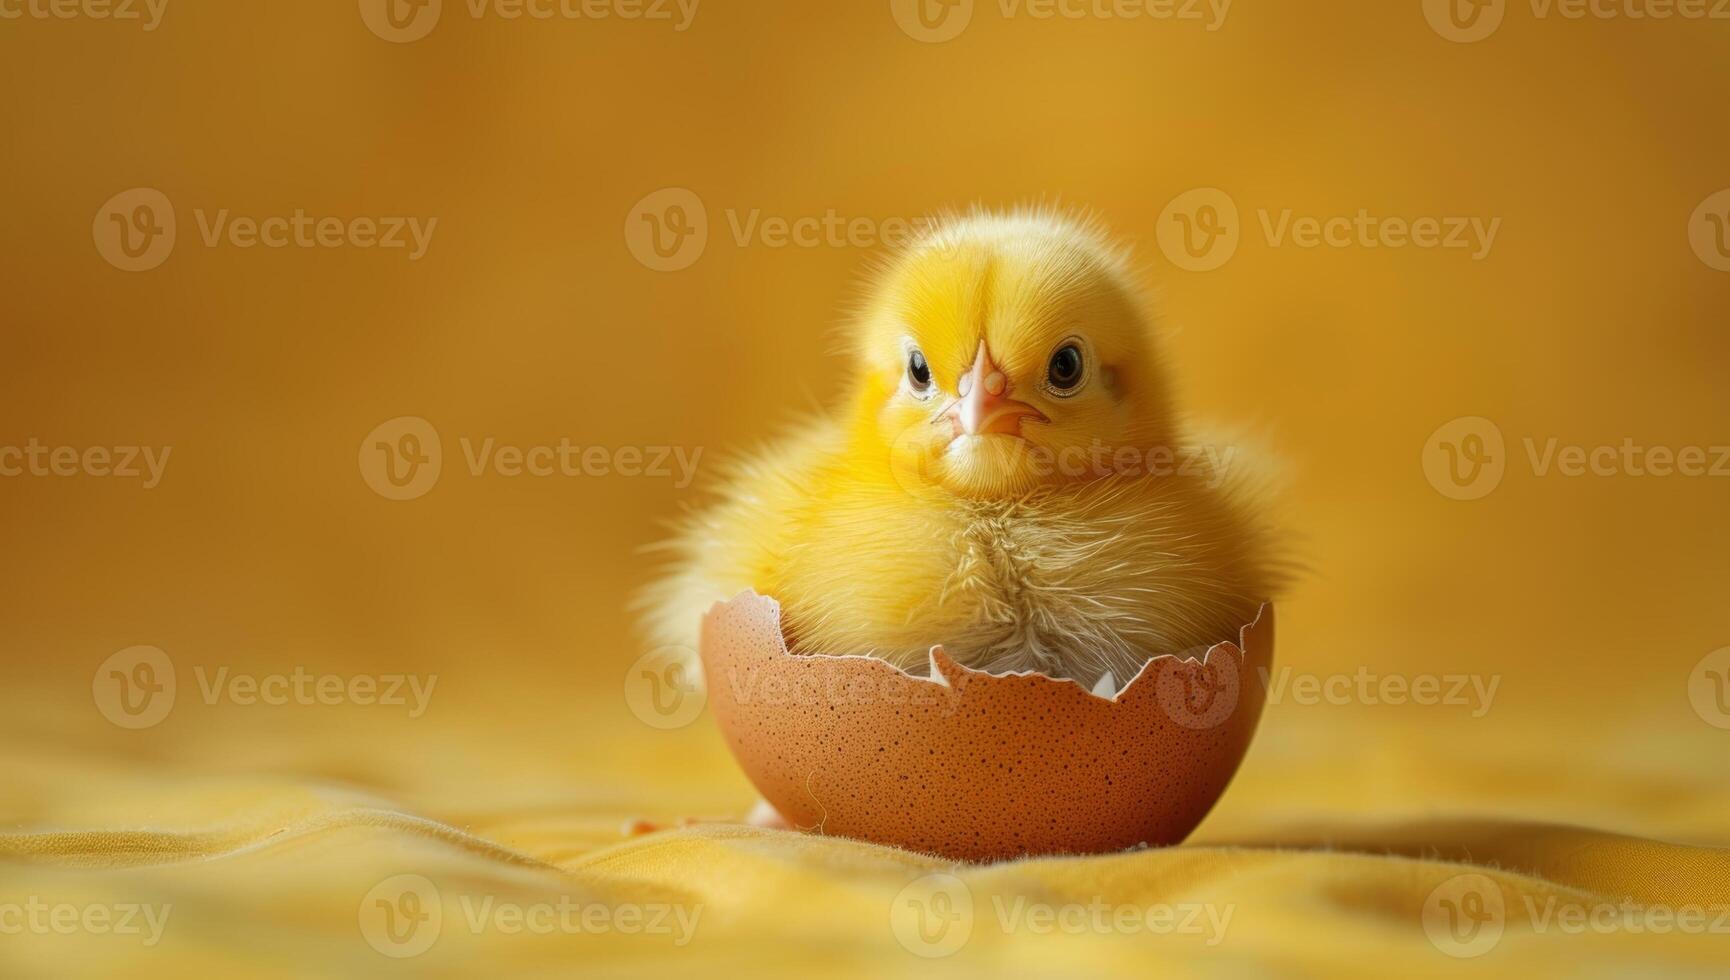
985	406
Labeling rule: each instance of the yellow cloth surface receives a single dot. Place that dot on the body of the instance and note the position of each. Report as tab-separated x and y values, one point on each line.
1319	860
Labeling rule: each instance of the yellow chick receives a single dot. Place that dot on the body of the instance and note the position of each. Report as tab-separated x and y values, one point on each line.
1006	477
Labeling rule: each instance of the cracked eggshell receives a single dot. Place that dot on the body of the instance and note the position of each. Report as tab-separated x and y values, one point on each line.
976	766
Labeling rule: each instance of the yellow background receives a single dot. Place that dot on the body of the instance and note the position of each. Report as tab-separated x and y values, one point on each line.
1592	320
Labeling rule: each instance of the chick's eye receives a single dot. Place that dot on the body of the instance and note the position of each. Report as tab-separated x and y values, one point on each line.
1065	371
918	372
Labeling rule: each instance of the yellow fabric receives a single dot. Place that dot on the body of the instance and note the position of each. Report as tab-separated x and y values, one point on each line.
1322	855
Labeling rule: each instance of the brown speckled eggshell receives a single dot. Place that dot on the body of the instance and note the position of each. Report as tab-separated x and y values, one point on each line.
981	766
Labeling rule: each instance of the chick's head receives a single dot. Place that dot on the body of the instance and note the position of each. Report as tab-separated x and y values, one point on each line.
1000	353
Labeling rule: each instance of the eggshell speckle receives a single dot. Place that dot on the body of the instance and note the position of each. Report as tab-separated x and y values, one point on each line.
978	766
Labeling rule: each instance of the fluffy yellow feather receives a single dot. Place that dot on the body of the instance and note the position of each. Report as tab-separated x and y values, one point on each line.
1006	477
